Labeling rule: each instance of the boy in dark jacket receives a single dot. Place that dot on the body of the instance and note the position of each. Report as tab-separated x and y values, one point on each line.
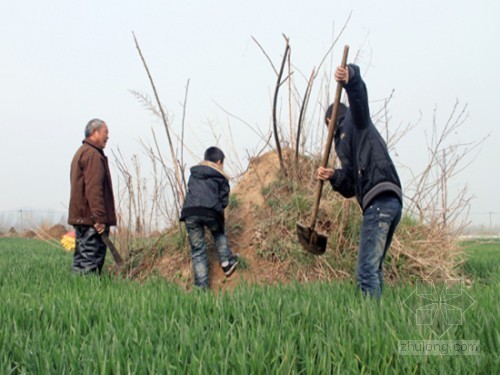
207	196
368	173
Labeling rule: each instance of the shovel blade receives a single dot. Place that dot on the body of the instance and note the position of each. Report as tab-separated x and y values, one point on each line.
311	241
111	246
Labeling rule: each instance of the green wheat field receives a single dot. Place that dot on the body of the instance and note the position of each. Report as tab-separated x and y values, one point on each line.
55	323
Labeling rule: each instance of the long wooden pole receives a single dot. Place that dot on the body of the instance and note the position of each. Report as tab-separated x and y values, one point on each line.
329	141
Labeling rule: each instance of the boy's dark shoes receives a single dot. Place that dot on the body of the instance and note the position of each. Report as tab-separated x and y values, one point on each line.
233	262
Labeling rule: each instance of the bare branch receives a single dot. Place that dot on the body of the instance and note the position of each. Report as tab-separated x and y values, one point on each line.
255	130
302	114
183	124
275	100
334	42
265	54
165	122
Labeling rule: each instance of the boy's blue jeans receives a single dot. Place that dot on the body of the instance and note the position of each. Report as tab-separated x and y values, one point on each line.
195	226
380	220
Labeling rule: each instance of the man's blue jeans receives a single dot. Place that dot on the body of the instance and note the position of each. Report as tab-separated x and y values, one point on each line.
195	226
380	220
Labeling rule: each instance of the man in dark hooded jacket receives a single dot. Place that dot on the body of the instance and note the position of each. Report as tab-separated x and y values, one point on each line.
207	196
368	173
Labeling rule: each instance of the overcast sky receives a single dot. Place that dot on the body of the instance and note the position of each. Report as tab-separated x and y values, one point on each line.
65	62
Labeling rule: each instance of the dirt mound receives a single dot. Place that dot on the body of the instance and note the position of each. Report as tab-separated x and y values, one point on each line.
264	208
10	233
263	211
240	228
241	225
29	234
57	231
261	172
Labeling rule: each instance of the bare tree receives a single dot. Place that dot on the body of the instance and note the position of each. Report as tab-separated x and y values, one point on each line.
428	194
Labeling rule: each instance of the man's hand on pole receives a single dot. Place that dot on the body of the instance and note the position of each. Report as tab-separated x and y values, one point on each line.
324	173
342	75
100	228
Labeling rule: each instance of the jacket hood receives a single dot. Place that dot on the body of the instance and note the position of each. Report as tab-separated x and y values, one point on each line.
208	169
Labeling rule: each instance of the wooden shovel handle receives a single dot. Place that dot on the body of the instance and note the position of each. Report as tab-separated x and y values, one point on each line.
329	141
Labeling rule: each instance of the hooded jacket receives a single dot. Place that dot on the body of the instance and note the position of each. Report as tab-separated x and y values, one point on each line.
91	200
367	169
208	192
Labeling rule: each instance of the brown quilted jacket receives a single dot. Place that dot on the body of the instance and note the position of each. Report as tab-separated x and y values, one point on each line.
91	200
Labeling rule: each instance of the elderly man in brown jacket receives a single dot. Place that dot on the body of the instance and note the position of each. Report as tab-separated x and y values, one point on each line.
91	205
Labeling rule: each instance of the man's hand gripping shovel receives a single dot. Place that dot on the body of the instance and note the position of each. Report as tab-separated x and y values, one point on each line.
312	241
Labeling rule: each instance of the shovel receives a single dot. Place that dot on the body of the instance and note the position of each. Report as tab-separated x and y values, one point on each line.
111	246
312	241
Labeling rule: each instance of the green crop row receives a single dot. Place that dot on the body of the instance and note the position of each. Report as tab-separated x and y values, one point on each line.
53	322
483	261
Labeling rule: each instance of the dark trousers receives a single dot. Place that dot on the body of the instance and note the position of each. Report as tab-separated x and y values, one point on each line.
90	250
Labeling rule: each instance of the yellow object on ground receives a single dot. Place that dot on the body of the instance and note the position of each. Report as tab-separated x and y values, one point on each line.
68	241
